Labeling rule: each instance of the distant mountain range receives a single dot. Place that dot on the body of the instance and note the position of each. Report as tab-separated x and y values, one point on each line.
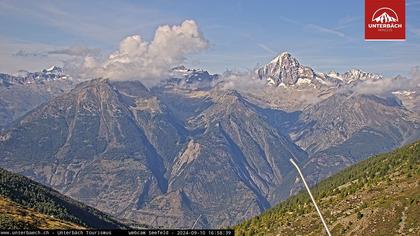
285	70
294	87
164	155
23	91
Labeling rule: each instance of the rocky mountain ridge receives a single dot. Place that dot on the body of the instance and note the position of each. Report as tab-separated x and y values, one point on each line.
23	91
116	146
285	70
164	155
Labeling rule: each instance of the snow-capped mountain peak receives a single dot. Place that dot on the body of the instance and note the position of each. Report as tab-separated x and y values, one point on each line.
25	77
53	69
185	77
285	70
359	75
283	56
333	73
182	71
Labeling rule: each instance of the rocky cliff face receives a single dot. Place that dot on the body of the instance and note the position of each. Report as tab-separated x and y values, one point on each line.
286	70
347	128
117	147
339	117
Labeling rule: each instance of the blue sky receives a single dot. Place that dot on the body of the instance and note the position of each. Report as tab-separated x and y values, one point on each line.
323	34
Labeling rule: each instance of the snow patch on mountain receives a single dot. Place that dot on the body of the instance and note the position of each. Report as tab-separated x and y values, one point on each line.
285	69
183	77
404	93
301	81
25	77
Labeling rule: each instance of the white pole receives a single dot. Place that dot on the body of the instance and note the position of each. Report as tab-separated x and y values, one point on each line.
312	198
196	221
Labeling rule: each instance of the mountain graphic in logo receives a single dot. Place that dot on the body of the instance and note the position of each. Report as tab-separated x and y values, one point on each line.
385	15
385	20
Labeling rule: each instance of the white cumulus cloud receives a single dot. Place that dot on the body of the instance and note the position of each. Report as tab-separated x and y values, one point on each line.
137	58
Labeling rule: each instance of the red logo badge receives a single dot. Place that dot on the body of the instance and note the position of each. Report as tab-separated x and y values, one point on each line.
384	19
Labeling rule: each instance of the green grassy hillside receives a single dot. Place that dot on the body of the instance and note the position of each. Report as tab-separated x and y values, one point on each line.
26	204
17	217
378	196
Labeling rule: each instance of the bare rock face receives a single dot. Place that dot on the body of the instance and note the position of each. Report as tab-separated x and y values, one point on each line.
118	147
339	117
184	78
284	69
